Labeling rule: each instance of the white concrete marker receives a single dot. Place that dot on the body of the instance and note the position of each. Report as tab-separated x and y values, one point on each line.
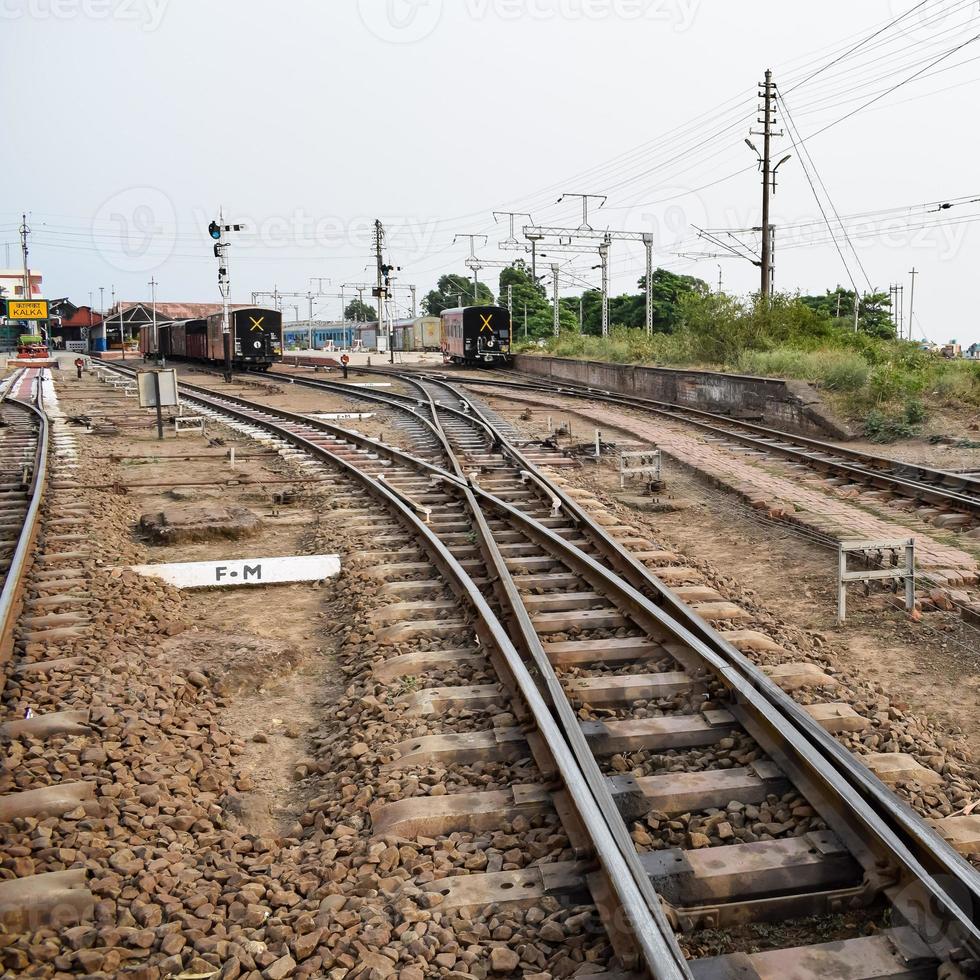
332	416
243	571
370	384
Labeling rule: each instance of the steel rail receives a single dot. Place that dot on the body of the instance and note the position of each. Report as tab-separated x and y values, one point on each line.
896	825
933	486
642	914
928	474
655	937
11	593
932	852
933	870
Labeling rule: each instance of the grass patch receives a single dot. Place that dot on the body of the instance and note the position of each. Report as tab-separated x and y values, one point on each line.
891	387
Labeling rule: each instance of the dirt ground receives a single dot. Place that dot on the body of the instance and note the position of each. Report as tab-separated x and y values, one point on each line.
297	398
267	653
933	666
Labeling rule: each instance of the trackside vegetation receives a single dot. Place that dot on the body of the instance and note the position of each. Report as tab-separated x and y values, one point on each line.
890	386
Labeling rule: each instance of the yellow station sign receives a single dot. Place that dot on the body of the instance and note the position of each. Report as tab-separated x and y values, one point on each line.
27	309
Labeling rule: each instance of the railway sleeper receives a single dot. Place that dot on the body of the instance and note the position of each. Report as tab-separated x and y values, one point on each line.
671	793
624	689
55	898
421	662
419	629
48	724
563	621
893	954
961	832
50	801
604	737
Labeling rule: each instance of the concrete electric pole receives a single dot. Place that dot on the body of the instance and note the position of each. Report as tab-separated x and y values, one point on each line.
554	279
913	274
153	304
24	232
768	121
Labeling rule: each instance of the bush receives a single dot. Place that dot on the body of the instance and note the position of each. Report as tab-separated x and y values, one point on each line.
880	427
836	370
888	383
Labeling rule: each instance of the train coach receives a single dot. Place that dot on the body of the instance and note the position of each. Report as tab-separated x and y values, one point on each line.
256	338
476	335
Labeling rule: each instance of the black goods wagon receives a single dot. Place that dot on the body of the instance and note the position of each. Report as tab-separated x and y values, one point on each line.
256	338
476	335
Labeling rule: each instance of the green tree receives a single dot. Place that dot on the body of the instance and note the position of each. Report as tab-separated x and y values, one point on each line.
532	297
630	310
359	311
453	289
874	312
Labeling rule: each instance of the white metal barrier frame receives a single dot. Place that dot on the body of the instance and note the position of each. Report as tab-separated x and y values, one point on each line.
186	423
650	464
883	558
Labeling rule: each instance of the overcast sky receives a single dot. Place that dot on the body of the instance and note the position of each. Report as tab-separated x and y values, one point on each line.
306	119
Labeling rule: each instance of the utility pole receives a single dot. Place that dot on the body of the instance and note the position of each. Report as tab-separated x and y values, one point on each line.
772	259
720	279
153	303
382	290
766	163
581	313
857	310
648	246
901	312
217	232
525	321
554	277
768	109
510	299
412	290
604	261
379	289
24	232
913	274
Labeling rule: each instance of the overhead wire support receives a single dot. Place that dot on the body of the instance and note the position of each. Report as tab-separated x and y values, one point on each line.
585	226
538	233
473	263
511	239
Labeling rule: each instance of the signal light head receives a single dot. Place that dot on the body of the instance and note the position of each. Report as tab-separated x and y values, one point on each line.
214	230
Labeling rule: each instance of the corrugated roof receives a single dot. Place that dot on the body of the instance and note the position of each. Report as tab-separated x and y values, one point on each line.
180	311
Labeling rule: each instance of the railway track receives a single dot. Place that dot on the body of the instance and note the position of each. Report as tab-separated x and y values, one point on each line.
23	468
42	604
945	489
642	719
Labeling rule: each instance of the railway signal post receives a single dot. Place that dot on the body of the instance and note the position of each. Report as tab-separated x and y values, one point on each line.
217	232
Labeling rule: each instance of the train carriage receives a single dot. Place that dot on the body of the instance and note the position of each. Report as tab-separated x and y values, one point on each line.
476	335
256	338
428	333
